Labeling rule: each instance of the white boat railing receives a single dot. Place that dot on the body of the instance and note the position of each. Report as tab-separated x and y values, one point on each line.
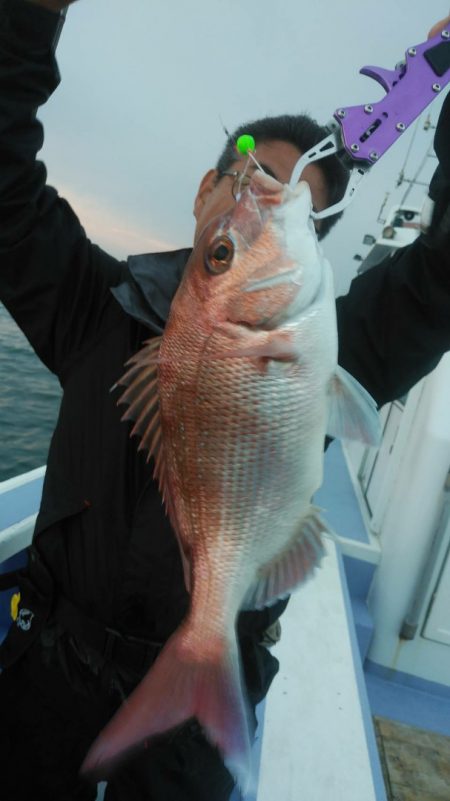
16	528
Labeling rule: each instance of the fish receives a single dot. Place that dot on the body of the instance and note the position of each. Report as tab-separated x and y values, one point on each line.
232	404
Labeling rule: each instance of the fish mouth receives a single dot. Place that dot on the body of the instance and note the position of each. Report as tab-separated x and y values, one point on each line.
284	272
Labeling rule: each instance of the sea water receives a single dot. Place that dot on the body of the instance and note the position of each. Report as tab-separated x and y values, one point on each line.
29	402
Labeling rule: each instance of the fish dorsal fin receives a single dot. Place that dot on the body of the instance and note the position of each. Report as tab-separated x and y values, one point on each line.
292	567
142	397
353	412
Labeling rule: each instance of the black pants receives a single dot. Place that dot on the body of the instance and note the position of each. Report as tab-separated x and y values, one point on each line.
47	727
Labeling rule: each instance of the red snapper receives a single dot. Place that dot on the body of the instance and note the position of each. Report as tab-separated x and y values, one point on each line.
233	403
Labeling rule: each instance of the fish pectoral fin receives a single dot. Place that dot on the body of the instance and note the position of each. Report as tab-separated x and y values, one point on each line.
353	413
277	344
292	567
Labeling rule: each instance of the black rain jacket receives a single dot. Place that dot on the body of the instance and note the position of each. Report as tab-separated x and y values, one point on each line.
101	528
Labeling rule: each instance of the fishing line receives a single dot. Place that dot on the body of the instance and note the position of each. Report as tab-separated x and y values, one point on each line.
227	133
411	142
245	146
251	156
419	170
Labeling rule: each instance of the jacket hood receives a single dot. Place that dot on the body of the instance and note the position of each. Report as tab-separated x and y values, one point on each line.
150	283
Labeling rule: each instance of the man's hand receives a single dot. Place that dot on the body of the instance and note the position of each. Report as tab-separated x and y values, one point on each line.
52	5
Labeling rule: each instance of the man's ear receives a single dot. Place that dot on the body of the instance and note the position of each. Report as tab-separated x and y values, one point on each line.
207	185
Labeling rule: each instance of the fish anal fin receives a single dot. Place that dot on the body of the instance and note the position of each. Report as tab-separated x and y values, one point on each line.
353	413
292	567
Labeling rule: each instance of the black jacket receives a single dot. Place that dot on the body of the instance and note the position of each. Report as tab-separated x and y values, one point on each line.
101	528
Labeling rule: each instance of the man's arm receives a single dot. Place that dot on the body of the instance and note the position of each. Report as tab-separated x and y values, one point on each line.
394	323
52	5
53	280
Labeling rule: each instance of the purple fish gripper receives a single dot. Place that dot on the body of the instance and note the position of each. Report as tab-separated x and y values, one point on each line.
362	134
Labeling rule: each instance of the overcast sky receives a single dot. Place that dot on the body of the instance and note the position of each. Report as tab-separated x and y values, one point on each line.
135	122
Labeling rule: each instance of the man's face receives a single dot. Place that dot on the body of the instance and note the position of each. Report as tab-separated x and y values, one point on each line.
278	159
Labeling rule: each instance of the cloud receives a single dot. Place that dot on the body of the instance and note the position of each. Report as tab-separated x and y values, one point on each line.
109	230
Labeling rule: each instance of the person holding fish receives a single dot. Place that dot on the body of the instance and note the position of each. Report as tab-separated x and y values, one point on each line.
157	566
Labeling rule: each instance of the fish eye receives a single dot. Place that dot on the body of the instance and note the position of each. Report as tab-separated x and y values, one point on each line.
219	255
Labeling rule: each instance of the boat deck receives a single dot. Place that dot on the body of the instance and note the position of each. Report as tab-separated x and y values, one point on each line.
415	762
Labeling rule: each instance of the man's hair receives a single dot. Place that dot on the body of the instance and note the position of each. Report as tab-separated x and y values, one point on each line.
302	131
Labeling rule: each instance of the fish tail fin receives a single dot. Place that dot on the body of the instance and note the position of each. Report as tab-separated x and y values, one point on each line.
183	683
